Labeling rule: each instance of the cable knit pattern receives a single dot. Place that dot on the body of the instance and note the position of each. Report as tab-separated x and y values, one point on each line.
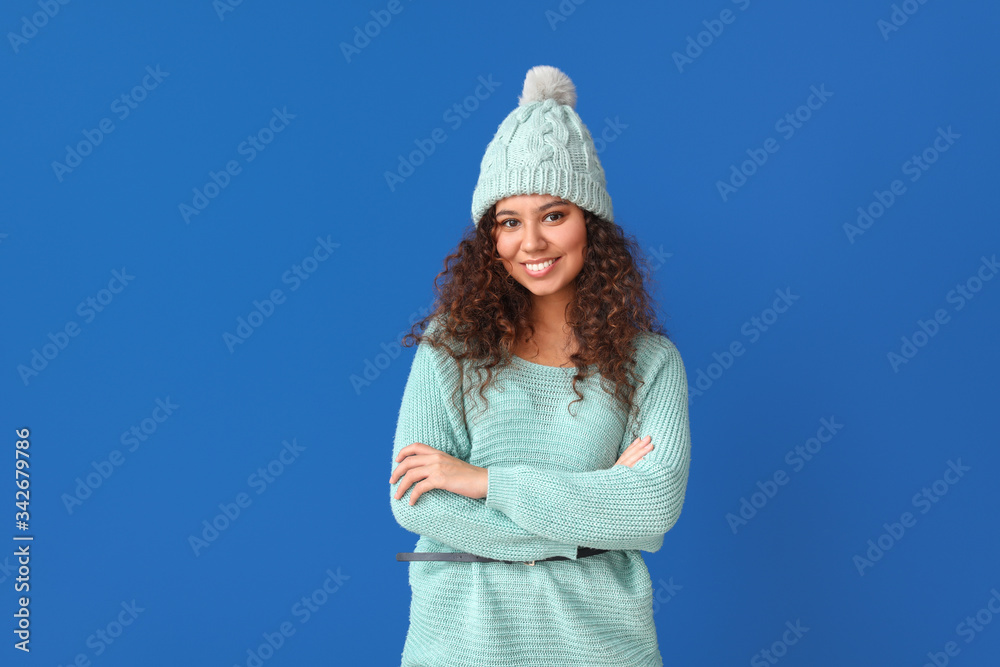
553	486
542	146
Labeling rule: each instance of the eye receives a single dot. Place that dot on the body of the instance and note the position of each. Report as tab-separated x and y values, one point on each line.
503	223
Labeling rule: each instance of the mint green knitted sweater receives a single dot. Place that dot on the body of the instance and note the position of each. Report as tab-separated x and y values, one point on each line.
553	486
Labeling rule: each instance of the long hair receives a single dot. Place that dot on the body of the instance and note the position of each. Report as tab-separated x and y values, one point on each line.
483	310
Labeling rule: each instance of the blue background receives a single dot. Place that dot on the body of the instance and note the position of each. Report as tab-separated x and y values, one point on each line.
324	372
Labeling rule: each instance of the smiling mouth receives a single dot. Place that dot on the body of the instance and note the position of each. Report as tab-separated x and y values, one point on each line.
537	269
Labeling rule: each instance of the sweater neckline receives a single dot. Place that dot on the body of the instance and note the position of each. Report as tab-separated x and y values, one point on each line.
531	364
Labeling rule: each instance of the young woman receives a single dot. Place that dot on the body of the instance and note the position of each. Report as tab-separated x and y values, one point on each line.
543	437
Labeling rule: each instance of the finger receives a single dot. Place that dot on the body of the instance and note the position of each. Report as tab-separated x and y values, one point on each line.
636	451
411	462
404	484
637	447
412	448
630	459
400	470
624	458
626	462
410	477
418	490
646	448
414	476
639	443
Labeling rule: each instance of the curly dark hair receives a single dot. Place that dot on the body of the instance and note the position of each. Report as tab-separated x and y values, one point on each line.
484	310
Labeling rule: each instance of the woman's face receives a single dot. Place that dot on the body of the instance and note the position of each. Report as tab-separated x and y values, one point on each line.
533	229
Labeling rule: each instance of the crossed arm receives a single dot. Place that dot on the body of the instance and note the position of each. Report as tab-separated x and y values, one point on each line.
530	513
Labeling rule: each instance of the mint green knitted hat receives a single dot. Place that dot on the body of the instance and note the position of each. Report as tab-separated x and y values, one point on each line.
542	147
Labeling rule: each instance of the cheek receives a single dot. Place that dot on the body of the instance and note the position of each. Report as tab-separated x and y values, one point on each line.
578	257
503	260
504	253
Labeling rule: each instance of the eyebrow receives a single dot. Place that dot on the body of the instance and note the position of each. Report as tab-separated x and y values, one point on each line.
557	202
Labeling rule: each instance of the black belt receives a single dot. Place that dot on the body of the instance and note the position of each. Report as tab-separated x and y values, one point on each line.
581	552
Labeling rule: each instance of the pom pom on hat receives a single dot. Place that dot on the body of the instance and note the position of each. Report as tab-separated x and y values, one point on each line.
547	82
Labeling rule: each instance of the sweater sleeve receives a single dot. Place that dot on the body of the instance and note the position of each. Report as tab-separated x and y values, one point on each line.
465	524
620	507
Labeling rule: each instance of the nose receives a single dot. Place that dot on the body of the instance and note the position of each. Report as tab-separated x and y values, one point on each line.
533	237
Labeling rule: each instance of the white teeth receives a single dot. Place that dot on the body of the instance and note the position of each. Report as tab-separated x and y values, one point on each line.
539	267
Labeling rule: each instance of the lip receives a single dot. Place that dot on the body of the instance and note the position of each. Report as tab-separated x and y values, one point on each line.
539	274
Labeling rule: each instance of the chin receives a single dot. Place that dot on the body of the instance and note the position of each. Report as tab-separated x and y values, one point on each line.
541	292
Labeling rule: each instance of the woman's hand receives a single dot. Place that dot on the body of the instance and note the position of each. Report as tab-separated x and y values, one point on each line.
425	468
639	448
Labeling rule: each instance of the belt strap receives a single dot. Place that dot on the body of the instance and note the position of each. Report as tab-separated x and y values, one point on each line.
581	552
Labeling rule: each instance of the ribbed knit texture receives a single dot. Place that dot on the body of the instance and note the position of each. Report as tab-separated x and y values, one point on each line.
553	486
